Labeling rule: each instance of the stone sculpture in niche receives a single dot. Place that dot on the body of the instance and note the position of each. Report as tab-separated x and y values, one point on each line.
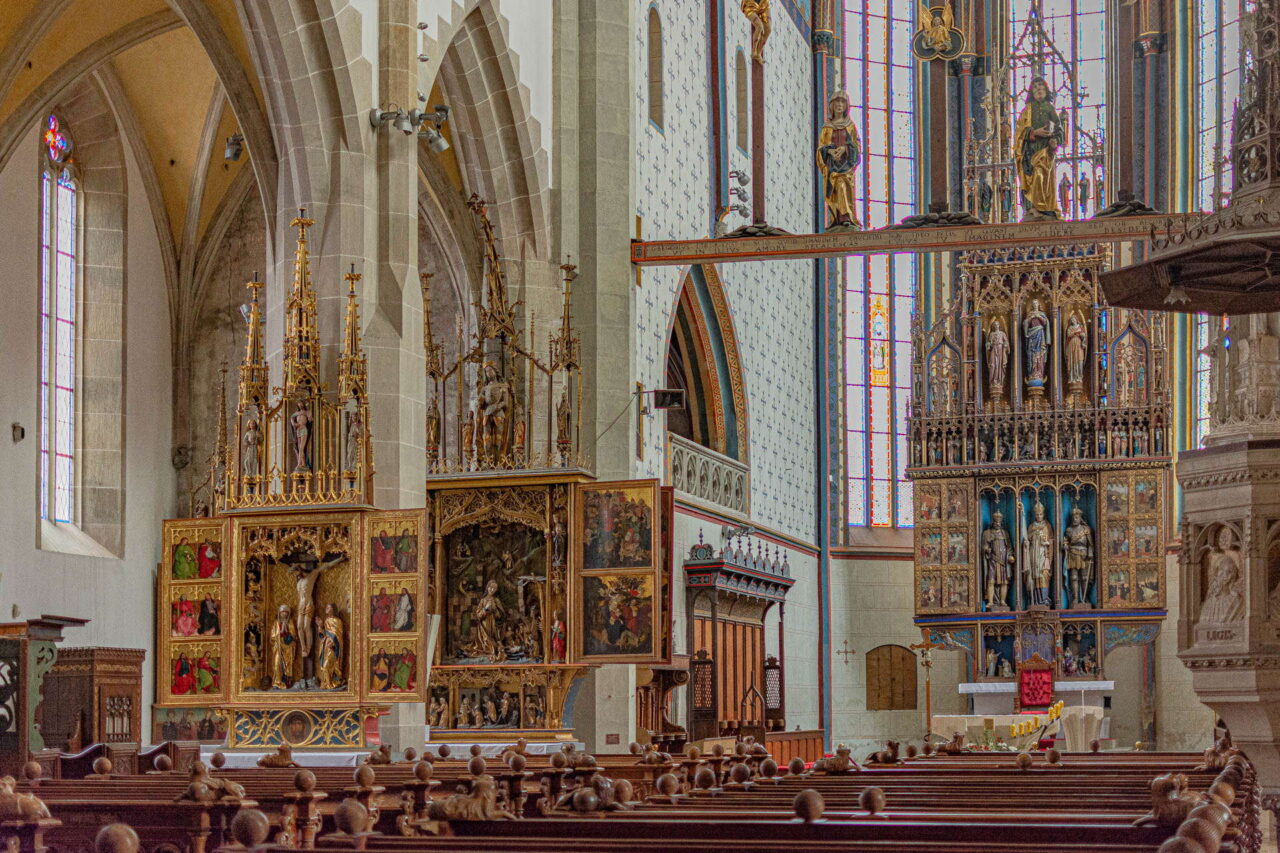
1224	593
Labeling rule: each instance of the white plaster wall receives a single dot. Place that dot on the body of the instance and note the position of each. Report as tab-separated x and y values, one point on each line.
771	303
871	605
115	594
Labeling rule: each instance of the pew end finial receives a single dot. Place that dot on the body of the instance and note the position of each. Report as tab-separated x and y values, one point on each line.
116	838
809	805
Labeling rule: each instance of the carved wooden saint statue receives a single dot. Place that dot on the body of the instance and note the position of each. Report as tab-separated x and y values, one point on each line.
329	661
249	448
997	562
1224	598
1077	548
1037	338
486	640
757	12
494	409
839	153
997	357
355	431
300	423
1038	557
284	650
1037	136
1077	350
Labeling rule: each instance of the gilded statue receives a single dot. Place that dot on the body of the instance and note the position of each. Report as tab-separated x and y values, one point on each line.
839	153
1037	136
494	409
1077	548
1037	338
486	640
1224	598
1077	349
997	562
936	24
300	423
249	448
433	427
284	649
329	659
1038	557
469	436
757	12
997	356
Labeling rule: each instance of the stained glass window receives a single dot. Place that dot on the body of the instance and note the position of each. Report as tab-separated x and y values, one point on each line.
1217	88
880	76
1064	42
58	338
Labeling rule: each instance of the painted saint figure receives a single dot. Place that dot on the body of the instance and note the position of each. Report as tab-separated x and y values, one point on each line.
1038	557
184	561
839	153
997	356
329	662
284	649
208	559
1077	350
1077	547
757	12
300	423
997	562
1224	598
184	617
404	611
1037	136
210	620
1037	338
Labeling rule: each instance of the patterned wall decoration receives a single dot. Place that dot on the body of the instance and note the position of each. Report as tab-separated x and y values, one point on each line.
771	303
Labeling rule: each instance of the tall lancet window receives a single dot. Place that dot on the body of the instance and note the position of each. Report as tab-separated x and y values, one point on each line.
1064	42
880	76
58	335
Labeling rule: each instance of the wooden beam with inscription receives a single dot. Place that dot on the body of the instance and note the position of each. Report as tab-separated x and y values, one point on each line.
658	253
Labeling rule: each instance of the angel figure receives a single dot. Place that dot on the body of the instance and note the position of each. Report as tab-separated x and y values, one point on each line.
936	24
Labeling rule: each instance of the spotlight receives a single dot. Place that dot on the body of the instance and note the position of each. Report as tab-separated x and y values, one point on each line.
235	147
403	123
742	194
740	209
422	57
742	176
668	398
435	140
378	117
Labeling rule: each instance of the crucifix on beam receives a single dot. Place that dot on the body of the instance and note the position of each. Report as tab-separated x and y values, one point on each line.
926	660
758	13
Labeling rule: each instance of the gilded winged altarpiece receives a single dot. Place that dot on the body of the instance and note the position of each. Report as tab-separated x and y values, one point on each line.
1040	453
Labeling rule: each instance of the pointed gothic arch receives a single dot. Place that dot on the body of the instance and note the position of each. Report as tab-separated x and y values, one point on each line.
703	360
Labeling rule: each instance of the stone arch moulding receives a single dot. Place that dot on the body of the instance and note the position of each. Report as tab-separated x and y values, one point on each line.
701	314
497	138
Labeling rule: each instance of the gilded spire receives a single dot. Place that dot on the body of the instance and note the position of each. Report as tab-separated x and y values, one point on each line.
353	366
433	350
566	350
253	371
497	316
301	336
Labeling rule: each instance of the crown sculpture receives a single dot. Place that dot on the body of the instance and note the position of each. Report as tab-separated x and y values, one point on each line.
300	445
499	407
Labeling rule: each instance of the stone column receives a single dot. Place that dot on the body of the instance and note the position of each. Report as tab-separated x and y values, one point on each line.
1229	624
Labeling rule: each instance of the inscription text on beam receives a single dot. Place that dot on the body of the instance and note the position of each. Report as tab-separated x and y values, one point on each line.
885	241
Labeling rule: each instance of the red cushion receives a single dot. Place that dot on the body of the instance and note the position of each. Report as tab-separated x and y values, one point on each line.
1035	688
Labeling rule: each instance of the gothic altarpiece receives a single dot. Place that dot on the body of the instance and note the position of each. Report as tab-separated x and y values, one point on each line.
1040	452
541	571
297	611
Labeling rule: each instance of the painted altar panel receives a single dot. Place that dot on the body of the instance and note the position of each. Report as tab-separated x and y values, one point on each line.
398	596
297	605
620	574
191	598
944	577
1133	543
